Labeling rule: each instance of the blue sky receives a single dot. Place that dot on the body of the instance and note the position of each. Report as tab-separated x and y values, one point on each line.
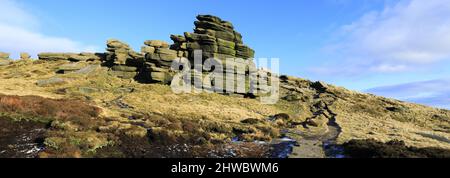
393	48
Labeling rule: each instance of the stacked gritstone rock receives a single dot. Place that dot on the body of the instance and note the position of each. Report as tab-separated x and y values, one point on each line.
4	59
76	60
158	61
217	39
74	57
180	45
123	61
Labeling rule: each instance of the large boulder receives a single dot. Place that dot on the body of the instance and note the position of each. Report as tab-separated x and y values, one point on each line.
55	56
244	51
209	18
226	35
124	68
147	49
178	38
71	67
51	82
162	77
157	43
166	54
212	26
113	44
86	57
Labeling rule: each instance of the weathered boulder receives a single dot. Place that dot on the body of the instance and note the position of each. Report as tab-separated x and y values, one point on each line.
226	44
71	67
51	82
226	35
157	43
163	54
86	57
25	56
212	26
244	51
320	86
209	18
88	69
75	57
120	53
124	68
319	121
54	56
114	44
4	55
162	77
178	38
215	37
227	51
147	49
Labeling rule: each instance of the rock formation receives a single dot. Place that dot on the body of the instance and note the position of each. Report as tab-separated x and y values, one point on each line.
4	59
158	60
25	56
212	38
4	56
217	39
74	57
124	62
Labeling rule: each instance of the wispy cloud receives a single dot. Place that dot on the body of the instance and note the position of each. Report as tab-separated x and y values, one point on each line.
18	34
405	36
433	93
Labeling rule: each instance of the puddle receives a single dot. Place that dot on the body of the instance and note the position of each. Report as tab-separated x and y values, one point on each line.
20	139
282	148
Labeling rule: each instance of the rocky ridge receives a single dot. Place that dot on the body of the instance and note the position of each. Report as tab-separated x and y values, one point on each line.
122	106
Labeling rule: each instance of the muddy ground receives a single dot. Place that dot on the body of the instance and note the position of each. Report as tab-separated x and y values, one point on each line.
20	139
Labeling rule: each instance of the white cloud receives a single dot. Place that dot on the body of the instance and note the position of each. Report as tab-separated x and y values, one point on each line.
433	93
17	33
405	36
14	13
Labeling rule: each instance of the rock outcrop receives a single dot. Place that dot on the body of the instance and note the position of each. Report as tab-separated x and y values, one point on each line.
158	61
216	38
25	56
213	38
4	56
124	62
75	57
4	59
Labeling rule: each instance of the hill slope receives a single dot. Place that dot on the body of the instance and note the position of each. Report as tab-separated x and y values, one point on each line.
91	113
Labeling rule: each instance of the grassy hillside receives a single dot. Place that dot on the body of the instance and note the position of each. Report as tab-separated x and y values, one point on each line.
91	113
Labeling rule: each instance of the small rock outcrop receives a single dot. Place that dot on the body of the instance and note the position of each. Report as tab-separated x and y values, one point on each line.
25	56
213	38
4	59
74	57
124	62
4	56
158	61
